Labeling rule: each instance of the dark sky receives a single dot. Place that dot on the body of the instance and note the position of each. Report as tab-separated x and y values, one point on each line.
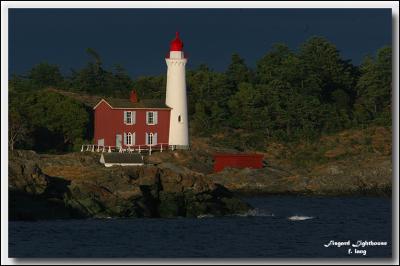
138	39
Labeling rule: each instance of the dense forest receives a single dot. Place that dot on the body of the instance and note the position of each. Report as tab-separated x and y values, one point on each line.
289	96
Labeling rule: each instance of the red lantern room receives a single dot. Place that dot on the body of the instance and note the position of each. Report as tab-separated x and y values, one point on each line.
176	44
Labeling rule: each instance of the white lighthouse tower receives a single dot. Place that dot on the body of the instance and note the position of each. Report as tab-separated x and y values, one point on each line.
176	95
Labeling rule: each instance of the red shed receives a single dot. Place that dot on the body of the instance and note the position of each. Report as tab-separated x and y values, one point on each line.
239	160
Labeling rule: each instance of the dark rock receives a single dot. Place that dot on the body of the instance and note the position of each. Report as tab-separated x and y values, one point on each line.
76	185
25	206
172	205
356	177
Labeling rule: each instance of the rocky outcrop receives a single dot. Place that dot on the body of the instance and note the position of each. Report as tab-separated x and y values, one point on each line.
360	176
352	162
76	185
33	194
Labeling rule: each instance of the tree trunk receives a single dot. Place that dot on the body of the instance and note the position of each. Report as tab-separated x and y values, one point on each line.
11	140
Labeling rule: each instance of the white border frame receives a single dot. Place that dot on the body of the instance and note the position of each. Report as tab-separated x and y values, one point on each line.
5	5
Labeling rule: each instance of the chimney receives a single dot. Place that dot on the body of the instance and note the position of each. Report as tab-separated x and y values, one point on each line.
133	97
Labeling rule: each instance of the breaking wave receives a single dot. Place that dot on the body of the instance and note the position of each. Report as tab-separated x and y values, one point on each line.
300	218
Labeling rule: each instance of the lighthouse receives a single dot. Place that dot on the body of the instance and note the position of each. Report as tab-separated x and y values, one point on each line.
176	95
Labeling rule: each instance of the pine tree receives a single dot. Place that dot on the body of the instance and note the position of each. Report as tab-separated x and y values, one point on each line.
374	88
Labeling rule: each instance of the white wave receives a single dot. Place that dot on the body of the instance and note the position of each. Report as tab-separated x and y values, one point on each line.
300	218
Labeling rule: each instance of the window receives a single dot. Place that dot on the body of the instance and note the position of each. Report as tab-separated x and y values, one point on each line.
150	139
179	118
151	118
129	117
129	139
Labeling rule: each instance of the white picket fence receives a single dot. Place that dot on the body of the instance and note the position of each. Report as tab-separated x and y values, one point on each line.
134	148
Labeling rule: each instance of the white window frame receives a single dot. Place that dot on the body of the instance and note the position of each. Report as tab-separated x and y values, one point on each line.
154	116
132	117
129	139
153	137
150	136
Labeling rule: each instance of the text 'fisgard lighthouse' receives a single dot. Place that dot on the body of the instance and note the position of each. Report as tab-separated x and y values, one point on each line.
134	124
176	95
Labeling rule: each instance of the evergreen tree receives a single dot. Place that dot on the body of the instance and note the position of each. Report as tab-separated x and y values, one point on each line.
374	89
323	68
45	75
56	114
200	120
149	87
244	107
291	97
280	64
121	82
237	73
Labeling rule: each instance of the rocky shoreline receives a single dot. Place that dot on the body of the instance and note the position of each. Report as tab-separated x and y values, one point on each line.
175	184
334	179
368	174
76	185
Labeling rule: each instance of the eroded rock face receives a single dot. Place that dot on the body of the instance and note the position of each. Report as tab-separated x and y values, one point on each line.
356	177
82	187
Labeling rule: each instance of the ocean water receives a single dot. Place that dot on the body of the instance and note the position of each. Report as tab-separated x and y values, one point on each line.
280	227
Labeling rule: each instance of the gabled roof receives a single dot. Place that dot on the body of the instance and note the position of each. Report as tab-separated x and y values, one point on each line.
116	103
118	158
145	103
127	104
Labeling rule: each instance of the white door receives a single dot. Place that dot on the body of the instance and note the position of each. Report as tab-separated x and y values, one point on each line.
100	142
118	140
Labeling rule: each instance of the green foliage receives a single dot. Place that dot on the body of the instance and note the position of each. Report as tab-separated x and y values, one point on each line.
94	79
237	72
150	87
55	122
208	95
374	89
245	107
18	130
324	69
280	64
45	75
290	96
41	76
200	121
19	83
